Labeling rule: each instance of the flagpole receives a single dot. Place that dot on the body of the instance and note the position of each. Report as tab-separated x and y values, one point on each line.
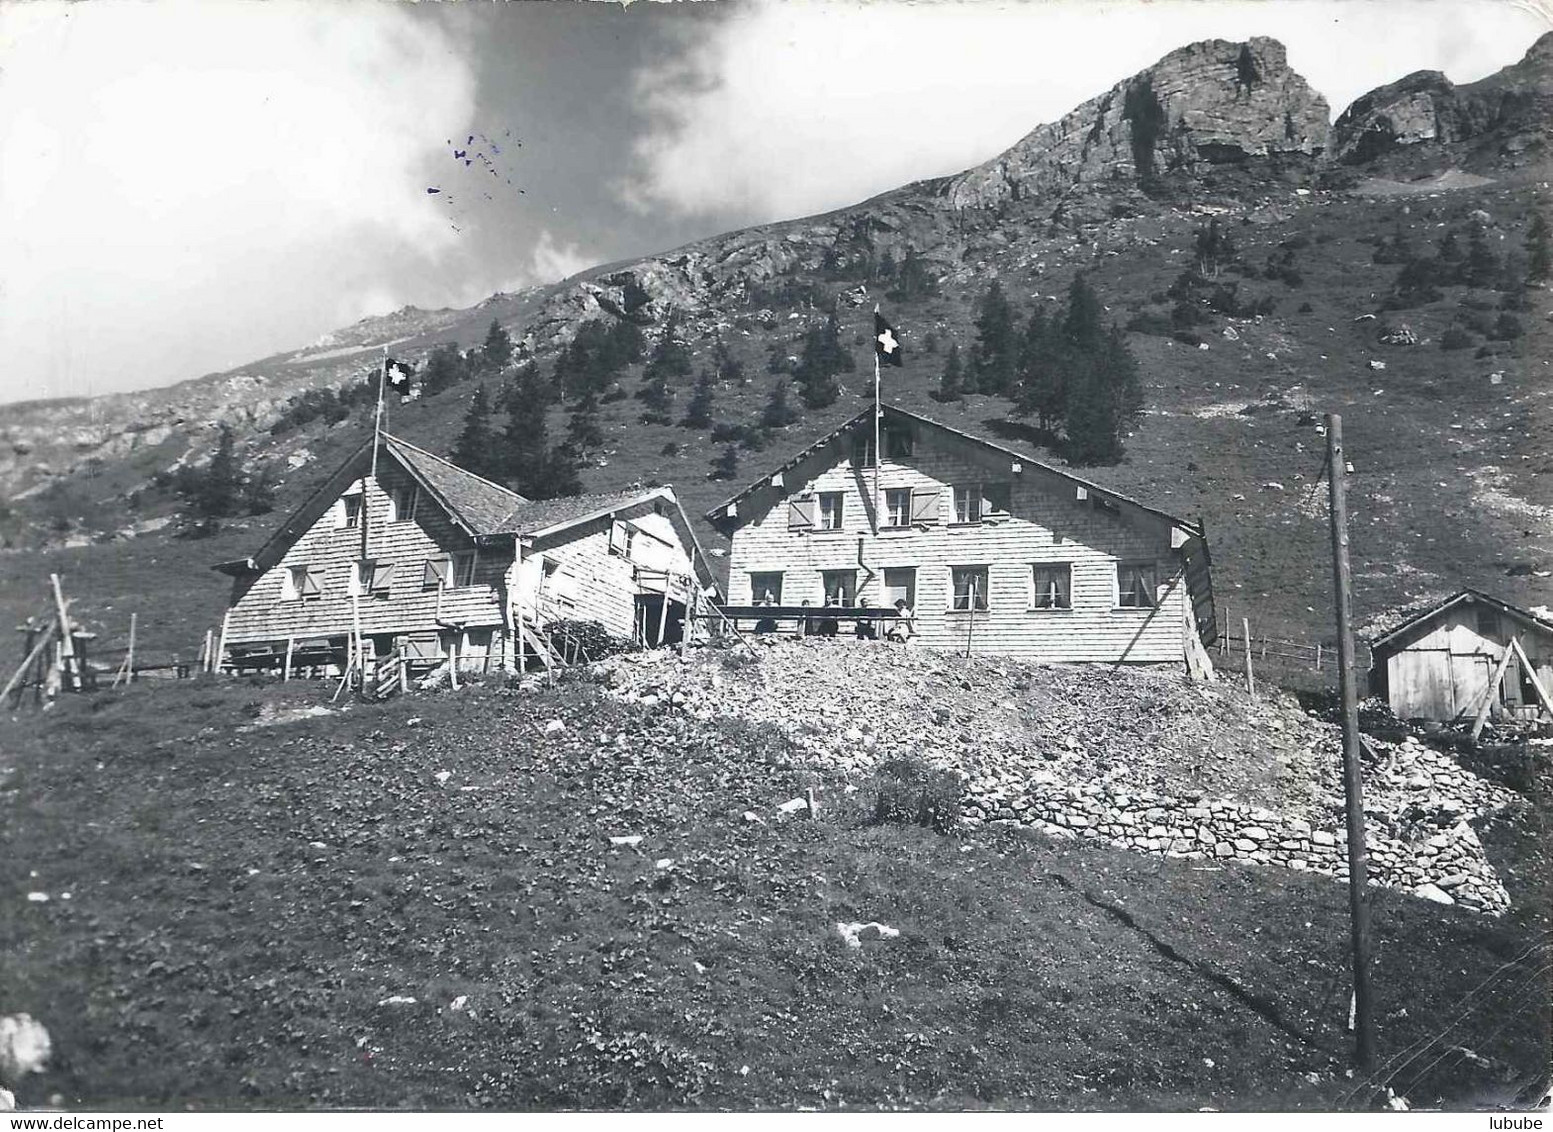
377	434
878	452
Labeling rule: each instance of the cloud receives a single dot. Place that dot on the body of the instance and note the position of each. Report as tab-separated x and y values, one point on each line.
185	185
798	106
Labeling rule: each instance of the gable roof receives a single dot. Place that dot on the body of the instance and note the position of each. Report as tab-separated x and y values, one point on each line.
483	509
1390	639
719	514
476	503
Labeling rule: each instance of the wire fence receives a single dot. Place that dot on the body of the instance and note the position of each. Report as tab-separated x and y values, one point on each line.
1285	661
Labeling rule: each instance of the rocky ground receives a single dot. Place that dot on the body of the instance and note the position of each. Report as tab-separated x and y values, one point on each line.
1136	758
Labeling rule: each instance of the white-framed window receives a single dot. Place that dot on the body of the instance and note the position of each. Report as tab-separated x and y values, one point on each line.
900	584
300	583
969	584
840	586
1136	585
464	568
766	587
622	538
863	449
831	515
897	507
350	509
401	503
974	502
1052	585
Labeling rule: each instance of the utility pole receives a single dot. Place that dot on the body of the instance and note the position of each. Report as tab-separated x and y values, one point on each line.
1353	786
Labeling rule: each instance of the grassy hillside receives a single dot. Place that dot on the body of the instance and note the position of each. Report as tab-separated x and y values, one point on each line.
1452	486
418	904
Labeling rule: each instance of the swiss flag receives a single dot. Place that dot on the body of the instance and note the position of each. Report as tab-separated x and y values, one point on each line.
398	375
887	344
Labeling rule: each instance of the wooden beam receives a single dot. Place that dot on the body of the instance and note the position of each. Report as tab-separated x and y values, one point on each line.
1493	687
67	646
43	639
1531	673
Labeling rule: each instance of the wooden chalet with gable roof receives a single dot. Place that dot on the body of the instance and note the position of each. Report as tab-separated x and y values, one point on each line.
432	562
984	544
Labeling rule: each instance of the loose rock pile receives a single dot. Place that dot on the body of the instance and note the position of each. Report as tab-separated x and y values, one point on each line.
1133	758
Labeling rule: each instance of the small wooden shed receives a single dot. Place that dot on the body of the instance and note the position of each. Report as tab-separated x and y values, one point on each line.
1441	664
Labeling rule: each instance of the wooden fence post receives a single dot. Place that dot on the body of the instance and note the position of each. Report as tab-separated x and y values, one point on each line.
1318	656
1245	629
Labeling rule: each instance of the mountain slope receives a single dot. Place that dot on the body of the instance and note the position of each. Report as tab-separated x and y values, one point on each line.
1453	486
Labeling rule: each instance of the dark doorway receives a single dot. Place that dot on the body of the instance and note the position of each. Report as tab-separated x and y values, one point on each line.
654	628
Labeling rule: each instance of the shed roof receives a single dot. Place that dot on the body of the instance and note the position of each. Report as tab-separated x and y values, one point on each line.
1391	639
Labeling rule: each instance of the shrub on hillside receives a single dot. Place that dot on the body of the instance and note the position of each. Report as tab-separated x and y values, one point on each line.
1507	328
1456	339
911	792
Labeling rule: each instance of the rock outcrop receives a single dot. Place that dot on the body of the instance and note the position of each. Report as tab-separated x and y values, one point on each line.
1212	103
1503	115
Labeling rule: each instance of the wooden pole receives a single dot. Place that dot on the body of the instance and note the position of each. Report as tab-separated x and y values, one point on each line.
1493	687
663	612
285	668
1245	631
1531	674
43	639
67	647
970	624
1318	656
220	658
1353	785
129	658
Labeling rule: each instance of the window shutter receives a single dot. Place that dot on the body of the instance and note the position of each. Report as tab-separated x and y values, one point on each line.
924	504
800	513
436	572
382	576
313	581
617	537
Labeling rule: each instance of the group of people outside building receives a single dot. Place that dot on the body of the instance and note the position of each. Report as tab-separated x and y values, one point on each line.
826	620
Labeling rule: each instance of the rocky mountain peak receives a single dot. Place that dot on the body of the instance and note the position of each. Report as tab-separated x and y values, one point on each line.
1206	104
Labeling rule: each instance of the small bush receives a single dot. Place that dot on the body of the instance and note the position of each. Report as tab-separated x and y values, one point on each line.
1456	339
1306	308
911	792
1187	337
1507	328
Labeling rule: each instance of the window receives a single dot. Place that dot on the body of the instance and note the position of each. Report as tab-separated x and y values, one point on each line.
897	442
830	510
302	582
900	584
369	577
973	502
970	587
840	586
1053	586
622	539
1136	584
862	449
438	573
401	506
897	507
766	587
464	568
1488	624
351	514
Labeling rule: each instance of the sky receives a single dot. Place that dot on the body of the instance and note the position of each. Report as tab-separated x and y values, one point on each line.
190	185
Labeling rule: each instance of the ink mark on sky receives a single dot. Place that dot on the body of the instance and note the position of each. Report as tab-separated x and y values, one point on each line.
483	155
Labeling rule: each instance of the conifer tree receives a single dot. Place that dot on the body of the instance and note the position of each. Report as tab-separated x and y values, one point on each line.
726	466
698	410
823	357
778	412
1093	423
1539	256
670	360
582	430
1482	266
1042	388
219	490
496	351
950	381
444	369
475	449
995	353
1083	325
